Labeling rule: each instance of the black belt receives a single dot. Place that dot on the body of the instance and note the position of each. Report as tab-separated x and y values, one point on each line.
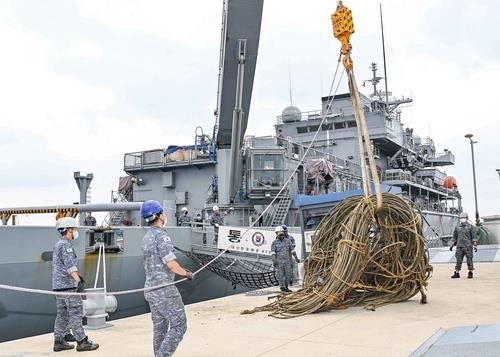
65	289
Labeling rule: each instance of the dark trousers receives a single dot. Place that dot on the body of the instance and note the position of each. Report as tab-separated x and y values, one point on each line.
461	251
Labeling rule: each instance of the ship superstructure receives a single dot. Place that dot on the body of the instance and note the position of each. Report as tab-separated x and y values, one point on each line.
257	182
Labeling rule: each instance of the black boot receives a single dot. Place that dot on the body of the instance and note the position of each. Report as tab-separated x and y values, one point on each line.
455	275
470	275
61	345
69	338
86	345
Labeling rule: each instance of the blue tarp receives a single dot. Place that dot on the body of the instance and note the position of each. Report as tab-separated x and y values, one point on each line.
172	148
305	200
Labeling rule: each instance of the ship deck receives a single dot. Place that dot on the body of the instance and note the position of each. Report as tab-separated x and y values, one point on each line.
461	315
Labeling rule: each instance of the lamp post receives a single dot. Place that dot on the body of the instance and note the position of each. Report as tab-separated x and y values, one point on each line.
498	172
472	142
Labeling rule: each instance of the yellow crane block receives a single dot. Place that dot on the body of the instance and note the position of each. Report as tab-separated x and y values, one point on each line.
343	27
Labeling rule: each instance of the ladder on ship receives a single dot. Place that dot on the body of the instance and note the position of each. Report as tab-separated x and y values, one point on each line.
115	218
281	211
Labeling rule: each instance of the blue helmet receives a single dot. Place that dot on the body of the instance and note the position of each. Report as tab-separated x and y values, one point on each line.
285	228
150	210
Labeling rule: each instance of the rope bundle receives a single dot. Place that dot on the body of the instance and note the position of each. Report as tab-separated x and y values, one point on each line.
361	256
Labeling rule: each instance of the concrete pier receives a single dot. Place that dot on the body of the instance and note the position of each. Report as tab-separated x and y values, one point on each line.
216	328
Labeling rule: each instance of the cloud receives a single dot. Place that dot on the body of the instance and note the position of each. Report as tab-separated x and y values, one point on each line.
85	49
126	76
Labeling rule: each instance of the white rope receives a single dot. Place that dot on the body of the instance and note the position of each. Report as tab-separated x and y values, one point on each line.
65	293
98	266
104	266
293	172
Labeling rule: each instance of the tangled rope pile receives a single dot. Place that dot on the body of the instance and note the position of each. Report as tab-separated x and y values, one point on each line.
361	256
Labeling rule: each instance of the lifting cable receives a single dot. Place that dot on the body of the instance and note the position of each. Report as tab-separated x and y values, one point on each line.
368	250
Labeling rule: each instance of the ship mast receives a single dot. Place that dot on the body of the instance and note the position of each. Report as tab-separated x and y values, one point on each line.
383	53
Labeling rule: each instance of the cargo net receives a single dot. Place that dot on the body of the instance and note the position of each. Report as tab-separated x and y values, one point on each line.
360	257
251	274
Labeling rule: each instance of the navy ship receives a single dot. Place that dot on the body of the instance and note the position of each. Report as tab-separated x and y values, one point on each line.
292	176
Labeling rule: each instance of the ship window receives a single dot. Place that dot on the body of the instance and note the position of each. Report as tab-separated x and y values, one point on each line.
340	125
301	129
313	128
267	170
351	124
328	126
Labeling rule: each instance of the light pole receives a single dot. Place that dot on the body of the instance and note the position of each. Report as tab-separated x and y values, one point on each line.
472	142
498	172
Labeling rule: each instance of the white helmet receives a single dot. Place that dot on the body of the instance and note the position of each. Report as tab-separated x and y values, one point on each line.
184	209
65	223
278	229
215	208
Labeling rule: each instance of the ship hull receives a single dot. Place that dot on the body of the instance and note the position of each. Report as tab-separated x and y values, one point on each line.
23	263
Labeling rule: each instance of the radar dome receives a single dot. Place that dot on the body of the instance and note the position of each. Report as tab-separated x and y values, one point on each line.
417	139
291	114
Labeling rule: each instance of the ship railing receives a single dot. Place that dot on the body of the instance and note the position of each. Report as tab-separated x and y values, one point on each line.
297	150
157	159
312	115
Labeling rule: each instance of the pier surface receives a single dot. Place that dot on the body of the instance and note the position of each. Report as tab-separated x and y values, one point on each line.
216	328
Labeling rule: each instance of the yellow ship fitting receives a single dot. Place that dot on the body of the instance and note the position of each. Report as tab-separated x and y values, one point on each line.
5	215
343	28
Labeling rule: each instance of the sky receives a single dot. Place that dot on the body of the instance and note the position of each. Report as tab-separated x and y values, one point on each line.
84	82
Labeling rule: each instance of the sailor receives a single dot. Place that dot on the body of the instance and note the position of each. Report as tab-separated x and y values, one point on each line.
90	220
161	266
465	238
295	261
198	220
65	277
281	255
216	220
185	218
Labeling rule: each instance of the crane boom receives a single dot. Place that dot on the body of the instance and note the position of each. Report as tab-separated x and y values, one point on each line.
241	21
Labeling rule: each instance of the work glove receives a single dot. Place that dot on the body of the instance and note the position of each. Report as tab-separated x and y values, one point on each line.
451	248
297	260
475	249
216	225
189	275
80	288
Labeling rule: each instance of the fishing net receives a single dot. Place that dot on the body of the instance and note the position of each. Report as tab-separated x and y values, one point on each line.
360	255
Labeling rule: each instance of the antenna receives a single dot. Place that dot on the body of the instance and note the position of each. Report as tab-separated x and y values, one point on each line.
290	81
383	52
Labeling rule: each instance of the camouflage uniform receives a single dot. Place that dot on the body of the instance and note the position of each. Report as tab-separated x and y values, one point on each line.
216	220
464	237
282	249
184	220
167	308
294	264
69	307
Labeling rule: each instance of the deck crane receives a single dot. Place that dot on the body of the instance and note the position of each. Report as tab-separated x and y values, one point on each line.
241	21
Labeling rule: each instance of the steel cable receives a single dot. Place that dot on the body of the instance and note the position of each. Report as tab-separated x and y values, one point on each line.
361	256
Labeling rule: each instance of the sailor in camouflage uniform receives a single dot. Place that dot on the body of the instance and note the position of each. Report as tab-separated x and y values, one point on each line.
185	218
216	220
295	261
65	277
160	265
465	238
281	255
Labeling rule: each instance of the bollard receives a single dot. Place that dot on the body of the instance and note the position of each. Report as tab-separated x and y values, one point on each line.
96	308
